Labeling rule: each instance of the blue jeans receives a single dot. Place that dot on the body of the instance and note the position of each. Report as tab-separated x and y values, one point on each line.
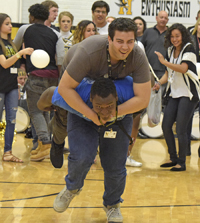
10	100
35	87
179	110
84	137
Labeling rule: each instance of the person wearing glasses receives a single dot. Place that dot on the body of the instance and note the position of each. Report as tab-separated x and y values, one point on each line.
100	10
114	56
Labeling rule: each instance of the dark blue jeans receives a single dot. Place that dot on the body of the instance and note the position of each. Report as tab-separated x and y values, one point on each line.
179	110
84	138
10	100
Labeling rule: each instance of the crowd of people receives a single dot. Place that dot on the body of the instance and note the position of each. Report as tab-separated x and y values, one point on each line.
95	88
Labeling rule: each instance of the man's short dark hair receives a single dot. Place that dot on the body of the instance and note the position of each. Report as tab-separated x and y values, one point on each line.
122	25
103	87
39	11
101	4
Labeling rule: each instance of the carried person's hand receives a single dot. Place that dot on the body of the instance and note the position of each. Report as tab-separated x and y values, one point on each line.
95	119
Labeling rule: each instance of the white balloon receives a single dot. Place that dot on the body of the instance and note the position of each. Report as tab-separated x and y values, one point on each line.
198	69
40	58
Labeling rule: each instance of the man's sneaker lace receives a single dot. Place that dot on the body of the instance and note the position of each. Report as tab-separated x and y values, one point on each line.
63	200
114	214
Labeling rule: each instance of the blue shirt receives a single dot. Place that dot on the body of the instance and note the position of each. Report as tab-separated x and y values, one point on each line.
124	88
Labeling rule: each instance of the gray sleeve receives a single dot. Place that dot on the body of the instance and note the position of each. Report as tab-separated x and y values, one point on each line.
20	36
60	48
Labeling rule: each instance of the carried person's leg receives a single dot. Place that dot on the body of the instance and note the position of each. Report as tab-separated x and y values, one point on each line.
57	126
59	130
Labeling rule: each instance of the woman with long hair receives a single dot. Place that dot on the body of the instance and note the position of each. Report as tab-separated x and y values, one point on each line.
182	91
141	26
8	82
83	30
65	20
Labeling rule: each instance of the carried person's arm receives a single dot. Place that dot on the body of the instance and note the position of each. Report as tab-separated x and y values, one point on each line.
142	92
66	89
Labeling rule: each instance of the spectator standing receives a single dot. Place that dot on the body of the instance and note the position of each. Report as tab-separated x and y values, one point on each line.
65	20
153	40
183	92
100	10
53	13
84	29
39	80
8	83
141	26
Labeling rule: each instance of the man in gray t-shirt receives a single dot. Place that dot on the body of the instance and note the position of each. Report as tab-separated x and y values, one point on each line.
113	57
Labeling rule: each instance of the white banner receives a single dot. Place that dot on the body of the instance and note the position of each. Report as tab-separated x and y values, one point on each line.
178	11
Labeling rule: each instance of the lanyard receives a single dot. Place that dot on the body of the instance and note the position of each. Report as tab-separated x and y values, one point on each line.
109	75
111	122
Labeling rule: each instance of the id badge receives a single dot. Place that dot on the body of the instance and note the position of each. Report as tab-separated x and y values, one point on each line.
13	70
110	134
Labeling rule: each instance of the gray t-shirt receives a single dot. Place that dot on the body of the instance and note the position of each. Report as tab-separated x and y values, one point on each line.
89	59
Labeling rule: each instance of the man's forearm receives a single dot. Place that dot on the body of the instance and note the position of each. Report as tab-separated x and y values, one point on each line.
133	105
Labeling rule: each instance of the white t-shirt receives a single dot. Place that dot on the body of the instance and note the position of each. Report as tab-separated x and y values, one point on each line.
103	30
178	85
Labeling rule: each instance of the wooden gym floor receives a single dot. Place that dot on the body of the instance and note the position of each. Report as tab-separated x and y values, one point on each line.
152	194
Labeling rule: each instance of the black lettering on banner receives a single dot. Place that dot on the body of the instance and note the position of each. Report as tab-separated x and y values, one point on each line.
181	12
173	8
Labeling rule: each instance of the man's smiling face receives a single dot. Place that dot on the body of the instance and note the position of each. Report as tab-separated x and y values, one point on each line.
121	45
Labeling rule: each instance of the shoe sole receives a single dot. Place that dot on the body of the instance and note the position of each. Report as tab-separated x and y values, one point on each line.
105	209
41	158
134	165
115	221
57	210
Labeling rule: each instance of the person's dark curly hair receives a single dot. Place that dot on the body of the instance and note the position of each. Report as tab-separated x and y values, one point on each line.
184	32
103	87
39	11
122	25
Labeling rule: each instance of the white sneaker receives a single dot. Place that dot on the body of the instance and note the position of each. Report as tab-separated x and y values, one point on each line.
113	213
63	200
132	162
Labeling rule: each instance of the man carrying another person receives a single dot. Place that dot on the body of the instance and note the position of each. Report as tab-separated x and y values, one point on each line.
115	57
